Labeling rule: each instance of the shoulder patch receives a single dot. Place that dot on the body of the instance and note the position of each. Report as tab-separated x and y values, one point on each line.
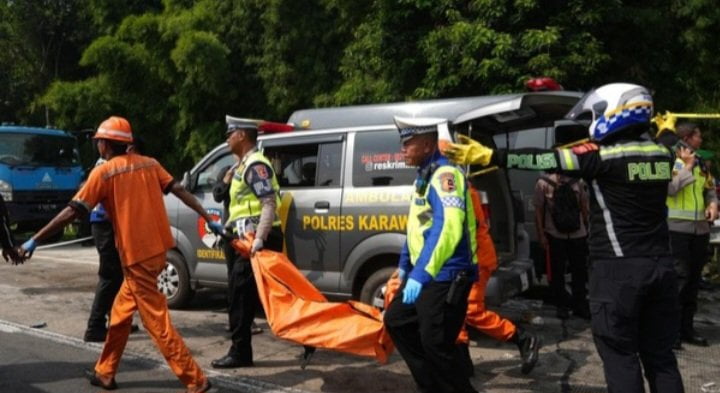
448	182
261	171
585	148
258	177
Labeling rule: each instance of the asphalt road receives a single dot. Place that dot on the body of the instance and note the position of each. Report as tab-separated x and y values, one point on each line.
56	289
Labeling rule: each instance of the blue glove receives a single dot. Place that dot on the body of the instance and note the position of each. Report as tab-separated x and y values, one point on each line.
28	247
216	227
411	291
402	274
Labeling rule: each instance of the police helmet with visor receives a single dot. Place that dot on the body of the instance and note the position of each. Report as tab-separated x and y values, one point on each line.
612	109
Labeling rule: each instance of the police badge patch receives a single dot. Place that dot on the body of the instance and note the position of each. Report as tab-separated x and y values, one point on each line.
261	171
447	182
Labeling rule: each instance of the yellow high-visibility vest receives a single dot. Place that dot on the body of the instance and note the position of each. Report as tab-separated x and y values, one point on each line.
243	202
689	202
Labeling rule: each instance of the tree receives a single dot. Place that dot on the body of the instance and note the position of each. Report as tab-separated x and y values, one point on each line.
41	41
176	67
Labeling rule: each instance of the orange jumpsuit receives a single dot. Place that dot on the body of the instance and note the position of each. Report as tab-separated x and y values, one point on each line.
478	316
131	188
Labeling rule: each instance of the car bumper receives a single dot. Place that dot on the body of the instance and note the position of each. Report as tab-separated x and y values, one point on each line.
509	280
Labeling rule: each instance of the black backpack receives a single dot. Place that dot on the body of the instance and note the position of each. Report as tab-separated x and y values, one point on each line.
566	208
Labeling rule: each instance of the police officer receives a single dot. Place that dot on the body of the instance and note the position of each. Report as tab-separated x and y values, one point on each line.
692	202
633	286
254	203
437	264
221	194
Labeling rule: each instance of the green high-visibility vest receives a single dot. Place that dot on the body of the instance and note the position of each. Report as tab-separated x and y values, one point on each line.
458	220
689	202
243	202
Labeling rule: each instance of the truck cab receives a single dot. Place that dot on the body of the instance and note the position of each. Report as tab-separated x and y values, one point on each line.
40	171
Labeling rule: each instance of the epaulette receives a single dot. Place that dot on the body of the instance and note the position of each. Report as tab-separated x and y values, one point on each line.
585	148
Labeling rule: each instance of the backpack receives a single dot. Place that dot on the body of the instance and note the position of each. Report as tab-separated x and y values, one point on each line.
566	210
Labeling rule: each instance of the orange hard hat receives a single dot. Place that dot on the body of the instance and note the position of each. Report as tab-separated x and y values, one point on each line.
115	128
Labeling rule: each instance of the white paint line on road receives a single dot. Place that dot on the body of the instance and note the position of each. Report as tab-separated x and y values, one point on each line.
79	261
242	384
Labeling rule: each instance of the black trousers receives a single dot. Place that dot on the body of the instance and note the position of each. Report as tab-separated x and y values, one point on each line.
243	296
572	254
635	318
425	333
110	275
691	254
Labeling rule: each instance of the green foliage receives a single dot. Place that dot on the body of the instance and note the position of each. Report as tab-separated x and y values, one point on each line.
174	68
40	41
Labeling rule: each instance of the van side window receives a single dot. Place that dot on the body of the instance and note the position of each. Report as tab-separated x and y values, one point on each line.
377	160
208	175
306	165
532	137
329	164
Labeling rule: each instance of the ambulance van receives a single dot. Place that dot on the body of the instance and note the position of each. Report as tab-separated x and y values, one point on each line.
346	193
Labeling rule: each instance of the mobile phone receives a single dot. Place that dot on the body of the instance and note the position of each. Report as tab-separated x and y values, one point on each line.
680	143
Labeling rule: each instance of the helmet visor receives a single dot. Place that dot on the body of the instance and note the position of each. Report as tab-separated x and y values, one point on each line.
589	108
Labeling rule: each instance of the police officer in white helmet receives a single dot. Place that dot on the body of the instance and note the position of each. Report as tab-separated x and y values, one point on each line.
633	285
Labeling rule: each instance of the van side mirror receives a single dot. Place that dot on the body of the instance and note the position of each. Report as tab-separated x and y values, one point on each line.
187	181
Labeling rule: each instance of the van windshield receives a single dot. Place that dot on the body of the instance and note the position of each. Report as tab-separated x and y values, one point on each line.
19	149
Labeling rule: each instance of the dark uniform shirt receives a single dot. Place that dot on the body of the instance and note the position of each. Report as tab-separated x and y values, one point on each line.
628	184
6	237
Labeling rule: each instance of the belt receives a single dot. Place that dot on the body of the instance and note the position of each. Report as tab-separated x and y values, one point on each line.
243	225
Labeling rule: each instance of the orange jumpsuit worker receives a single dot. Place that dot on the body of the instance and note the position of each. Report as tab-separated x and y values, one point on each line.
483	319
131	187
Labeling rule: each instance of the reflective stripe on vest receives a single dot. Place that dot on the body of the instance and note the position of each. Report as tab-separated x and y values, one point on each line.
457	222
689	202
243	202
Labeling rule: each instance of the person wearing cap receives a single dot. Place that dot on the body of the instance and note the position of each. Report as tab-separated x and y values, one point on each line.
692	205
221	194
632	283
130	187
437	265
253	209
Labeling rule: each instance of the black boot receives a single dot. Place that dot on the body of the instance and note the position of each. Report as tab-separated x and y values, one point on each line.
529	346
678	344
306	356
695	339
463	354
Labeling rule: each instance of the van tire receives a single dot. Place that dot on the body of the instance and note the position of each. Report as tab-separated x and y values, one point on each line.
372	290
174	281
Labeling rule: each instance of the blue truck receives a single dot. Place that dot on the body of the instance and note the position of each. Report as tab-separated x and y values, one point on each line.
40	171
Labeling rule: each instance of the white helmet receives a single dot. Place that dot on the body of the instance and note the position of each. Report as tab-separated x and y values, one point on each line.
614	108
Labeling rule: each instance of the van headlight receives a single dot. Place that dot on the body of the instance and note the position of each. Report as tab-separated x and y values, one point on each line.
6	191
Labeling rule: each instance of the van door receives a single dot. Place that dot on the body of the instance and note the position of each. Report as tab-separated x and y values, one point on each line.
309	172
210	268
525	120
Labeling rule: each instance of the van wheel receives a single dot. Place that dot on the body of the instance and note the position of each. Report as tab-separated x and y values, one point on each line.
373	291
174	281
